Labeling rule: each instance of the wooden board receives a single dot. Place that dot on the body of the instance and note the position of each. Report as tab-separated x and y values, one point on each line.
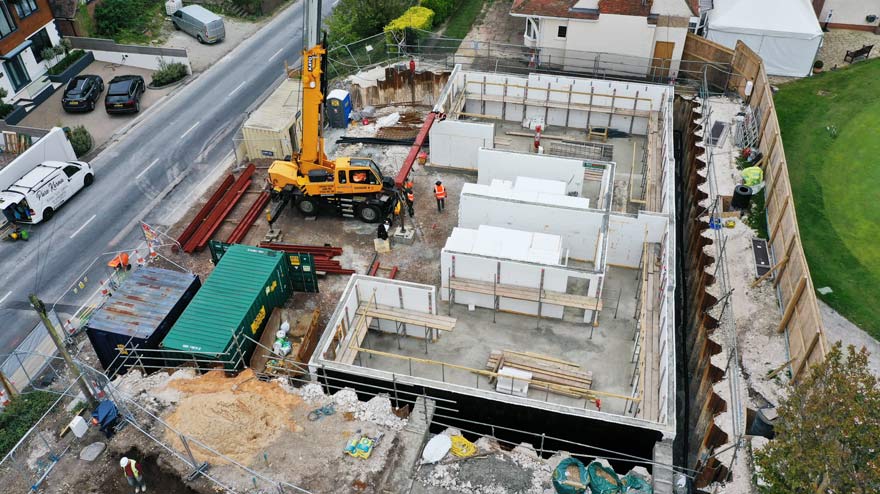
526	293
547	372
388	313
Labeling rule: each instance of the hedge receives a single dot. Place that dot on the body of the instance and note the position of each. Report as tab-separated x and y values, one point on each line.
66	62
414	18
442	8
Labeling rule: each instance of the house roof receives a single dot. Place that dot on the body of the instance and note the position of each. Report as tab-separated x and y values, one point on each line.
64	9
552	8
625	7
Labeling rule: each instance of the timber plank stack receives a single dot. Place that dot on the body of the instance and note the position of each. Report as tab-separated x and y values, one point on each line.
559	376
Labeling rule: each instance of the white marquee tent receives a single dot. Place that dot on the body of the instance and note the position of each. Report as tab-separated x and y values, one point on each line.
785	33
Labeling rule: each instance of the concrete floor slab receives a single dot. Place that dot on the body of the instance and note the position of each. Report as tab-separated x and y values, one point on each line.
606	351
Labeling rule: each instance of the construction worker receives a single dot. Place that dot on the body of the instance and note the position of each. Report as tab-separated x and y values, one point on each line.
134	474
410	198
383	230
440	195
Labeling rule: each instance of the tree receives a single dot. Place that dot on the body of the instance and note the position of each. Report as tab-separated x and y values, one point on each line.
828	431
357	19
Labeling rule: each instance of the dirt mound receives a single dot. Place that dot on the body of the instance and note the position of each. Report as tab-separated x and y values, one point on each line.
237	416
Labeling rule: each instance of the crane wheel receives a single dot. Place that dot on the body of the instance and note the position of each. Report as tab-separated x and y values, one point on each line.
369	214
307	207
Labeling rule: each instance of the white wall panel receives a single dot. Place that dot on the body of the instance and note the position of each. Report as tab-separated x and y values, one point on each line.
507	165
628	233
455	143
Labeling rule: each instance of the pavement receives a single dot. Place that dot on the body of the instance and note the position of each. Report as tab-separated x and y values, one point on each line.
152	173
101	125
839	328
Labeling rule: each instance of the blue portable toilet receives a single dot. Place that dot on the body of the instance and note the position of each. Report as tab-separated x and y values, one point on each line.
339	108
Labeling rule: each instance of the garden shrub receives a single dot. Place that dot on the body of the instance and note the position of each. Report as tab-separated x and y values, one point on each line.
168	73
414	18
442	9
113	17
66	62
81	140
5	108
20	415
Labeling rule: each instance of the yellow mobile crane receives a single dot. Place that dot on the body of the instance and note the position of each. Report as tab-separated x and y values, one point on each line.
354	187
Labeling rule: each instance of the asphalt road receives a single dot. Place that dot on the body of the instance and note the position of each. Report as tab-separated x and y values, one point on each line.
152	173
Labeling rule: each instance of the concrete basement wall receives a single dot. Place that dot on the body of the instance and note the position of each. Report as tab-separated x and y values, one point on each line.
455	144
574	222
507	165
517	98
628	233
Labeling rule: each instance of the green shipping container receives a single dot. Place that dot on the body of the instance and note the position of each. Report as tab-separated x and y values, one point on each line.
236	300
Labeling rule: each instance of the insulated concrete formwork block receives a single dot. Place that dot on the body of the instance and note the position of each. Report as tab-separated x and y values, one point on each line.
455	144
507	165
410	297
573	221
627	235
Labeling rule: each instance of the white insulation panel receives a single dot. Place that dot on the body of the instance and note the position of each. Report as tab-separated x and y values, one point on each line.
628	233
494	164
409	296
455	144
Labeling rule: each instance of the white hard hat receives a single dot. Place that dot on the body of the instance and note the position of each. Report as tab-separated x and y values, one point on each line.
281	333
123	462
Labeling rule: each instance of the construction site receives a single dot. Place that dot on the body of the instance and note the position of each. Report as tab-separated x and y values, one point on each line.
517	325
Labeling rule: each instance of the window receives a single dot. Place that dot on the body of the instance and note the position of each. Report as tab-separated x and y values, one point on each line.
531	28
342	178
71	170
7	25
25	8
561	31
18	75
41	42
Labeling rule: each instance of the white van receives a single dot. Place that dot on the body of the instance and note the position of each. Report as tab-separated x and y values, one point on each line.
37	195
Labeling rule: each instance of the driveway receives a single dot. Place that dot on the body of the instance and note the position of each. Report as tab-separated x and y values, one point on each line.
203	56
101	125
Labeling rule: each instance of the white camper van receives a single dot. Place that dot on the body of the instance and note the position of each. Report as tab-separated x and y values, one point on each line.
37	195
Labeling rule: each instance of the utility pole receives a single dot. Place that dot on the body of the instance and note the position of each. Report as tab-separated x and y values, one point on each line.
40	307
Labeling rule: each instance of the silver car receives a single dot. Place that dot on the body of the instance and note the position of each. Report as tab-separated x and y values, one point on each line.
199	22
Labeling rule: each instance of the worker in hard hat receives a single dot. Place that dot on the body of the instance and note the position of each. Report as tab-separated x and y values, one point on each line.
440	195
410	198
134	474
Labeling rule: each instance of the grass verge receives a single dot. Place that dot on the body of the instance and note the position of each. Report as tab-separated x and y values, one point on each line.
829	126
460	22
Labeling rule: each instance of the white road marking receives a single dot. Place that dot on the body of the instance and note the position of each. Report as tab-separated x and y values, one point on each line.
276	54
83	225
190	129
141	174
237	88
5	296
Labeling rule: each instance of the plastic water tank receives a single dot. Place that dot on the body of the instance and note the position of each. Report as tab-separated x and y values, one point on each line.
172	6
742	197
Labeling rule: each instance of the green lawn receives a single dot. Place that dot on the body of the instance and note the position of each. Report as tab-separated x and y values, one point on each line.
460	22
836	183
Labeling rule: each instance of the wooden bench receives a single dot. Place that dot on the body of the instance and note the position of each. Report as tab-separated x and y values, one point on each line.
855	55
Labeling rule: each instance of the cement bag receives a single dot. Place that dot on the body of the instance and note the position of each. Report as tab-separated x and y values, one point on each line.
565	483
633	484
603	479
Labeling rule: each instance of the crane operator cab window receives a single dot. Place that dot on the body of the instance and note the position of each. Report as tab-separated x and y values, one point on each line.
342	178
365	173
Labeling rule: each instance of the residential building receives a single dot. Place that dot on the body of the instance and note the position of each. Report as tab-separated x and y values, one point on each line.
634	37
27	27
862	15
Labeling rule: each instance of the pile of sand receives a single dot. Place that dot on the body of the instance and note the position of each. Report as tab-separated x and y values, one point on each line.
238	416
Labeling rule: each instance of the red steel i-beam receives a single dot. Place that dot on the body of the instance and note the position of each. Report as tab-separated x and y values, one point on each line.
221	209
206	209
249	218
400	179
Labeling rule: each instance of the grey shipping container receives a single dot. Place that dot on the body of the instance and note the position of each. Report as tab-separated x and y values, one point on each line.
138	315
226	316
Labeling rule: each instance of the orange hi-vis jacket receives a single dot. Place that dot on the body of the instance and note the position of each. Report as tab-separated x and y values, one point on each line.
439	192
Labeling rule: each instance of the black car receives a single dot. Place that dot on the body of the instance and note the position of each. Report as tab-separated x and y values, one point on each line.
82	93
124	94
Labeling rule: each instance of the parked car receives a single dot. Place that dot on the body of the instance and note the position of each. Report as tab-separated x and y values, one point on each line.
39	193
199	22
124	94
82	93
